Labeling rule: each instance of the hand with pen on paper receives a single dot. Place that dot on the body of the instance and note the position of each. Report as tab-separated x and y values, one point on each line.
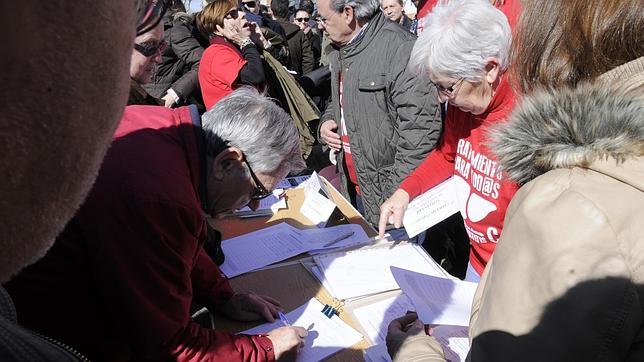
247	306
287	340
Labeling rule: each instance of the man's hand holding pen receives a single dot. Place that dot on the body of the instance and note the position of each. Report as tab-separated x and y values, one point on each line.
287	340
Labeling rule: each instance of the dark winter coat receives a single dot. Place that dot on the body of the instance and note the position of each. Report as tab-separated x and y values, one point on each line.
180	61
392	116
302	60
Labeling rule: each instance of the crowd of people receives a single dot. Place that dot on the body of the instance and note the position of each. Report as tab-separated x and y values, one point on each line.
157	119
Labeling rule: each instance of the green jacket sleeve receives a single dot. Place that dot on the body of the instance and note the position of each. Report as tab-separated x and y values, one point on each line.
418	116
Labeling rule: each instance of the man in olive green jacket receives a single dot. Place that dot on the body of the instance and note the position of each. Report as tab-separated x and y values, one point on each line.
382	119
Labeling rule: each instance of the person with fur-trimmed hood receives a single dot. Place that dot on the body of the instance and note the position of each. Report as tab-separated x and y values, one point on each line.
566	280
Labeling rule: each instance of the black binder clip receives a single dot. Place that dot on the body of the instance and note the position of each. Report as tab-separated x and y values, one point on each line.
329	311
335	308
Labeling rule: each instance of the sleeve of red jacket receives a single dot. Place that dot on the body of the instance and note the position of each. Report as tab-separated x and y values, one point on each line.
149	260
208	282
437	167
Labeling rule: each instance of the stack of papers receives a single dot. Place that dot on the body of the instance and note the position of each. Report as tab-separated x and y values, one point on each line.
437	300
375	318
326	335
367	271
266	246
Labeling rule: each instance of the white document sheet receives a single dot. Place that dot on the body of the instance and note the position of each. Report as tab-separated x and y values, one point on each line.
281	241
367	271
273	202
318	238
326	335
261	248
317	208
437	300
314	184
317	205
375	318
430	208
455	341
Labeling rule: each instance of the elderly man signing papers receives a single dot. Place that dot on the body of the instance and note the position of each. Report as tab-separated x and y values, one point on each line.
119	282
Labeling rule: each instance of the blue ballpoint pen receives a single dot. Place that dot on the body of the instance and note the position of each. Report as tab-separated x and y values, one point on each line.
284	319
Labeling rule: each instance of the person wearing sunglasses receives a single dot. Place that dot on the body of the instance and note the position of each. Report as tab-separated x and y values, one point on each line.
464	53
175	80
302	20
146	55
302	60
253	8
131	262
233	57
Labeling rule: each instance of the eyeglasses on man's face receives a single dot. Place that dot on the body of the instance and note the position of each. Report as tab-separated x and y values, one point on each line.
250	4
449	90
148	49
302	20
259	191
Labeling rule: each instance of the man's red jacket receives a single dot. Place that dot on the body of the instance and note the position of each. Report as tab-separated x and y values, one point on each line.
120	279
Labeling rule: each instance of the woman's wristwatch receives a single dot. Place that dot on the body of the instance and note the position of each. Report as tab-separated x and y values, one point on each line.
244	43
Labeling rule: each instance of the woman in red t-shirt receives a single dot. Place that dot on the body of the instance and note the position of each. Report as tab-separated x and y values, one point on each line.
232	59
464	52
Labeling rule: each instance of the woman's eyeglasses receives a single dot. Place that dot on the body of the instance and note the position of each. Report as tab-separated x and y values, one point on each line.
233	14
302	20
150	49
449	91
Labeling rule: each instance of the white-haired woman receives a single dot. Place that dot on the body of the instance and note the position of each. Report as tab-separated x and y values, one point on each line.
464	52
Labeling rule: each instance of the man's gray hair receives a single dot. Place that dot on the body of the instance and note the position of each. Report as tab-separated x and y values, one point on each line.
458	36
261	129
363	10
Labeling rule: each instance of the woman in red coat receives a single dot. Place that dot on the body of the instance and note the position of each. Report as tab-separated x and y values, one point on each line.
232	59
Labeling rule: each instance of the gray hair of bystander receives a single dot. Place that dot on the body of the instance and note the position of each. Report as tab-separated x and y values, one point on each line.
364	10
459	36
262	130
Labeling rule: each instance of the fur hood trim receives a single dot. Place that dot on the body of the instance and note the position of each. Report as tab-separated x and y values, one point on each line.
570	128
